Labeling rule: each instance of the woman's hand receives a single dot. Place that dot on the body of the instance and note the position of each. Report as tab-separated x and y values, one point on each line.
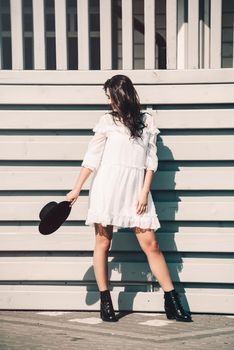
72	196
142	203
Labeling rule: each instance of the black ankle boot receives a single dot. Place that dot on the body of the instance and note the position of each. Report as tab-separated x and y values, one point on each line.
106	307
174	308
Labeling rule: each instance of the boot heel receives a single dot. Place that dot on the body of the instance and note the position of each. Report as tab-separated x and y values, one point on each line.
169	314
107	312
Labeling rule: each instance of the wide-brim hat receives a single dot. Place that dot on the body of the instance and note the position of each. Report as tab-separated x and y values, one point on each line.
53	215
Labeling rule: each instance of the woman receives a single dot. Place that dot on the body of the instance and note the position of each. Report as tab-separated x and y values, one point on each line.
122	154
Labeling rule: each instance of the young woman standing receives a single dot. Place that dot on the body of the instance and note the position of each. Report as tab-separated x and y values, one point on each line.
122	155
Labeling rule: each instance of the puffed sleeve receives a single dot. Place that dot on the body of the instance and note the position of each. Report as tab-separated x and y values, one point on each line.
96	146
151	160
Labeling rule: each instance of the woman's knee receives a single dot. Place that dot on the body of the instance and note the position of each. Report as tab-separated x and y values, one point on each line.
147	240
103	243
151	247
103	236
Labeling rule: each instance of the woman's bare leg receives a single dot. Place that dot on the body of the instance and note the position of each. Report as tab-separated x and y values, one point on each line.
156	260
100	255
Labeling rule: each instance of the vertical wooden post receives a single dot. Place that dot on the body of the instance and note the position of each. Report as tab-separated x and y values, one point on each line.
149	38
83	34
171	26
106	34
206	36
39	34
17	34
61	34
215	37
193	34
127	34
181	35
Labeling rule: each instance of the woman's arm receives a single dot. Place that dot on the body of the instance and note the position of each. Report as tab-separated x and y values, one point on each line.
75	192
91	159
147	180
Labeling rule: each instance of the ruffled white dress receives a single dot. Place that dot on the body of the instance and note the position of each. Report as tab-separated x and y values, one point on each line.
119	164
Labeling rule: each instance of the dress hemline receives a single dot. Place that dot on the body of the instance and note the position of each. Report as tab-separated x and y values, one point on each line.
118	222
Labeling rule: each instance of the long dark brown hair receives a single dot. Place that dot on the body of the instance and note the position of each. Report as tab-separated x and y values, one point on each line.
125	101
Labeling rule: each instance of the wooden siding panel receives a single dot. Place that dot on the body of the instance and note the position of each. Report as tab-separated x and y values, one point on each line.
22	208
60	178
77	120
61	268
80	238
67	297
192	190
197	147
149	94
139	77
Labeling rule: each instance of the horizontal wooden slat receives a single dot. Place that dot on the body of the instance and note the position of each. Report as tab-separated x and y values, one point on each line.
149	94
61	178
75	298
82	119
44	268
121	242
138	76
170	147
208	208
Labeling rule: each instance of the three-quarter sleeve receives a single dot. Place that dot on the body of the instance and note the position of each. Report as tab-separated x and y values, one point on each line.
151	160
93	155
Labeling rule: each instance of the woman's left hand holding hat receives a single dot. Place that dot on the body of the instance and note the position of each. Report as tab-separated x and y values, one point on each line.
72	196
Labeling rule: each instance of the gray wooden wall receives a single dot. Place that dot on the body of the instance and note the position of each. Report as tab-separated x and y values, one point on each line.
46	121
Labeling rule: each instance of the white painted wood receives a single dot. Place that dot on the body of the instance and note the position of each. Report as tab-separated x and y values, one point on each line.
39	35
127	34
150	38
106	34
215	147
61	34
141	76
193	34
123	242
198	178
34	297
59	119
83	34
181	35
215	33
179	119
171	33
44	268
187	208
149	94
17	34
206	37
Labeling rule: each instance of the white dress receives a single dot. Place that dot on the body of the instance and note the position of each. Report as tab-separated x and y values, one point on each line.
118	162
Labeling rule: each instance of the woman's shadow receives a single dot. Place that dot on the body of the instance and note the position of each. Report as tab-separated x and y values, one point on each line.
128	269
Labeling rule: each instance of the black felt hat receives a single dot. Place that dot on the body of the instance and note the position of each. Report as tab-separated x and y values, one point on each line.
53	215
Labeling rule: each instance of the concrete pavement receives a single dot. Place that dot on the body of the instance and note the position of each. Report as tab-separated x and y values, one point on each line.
50	330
